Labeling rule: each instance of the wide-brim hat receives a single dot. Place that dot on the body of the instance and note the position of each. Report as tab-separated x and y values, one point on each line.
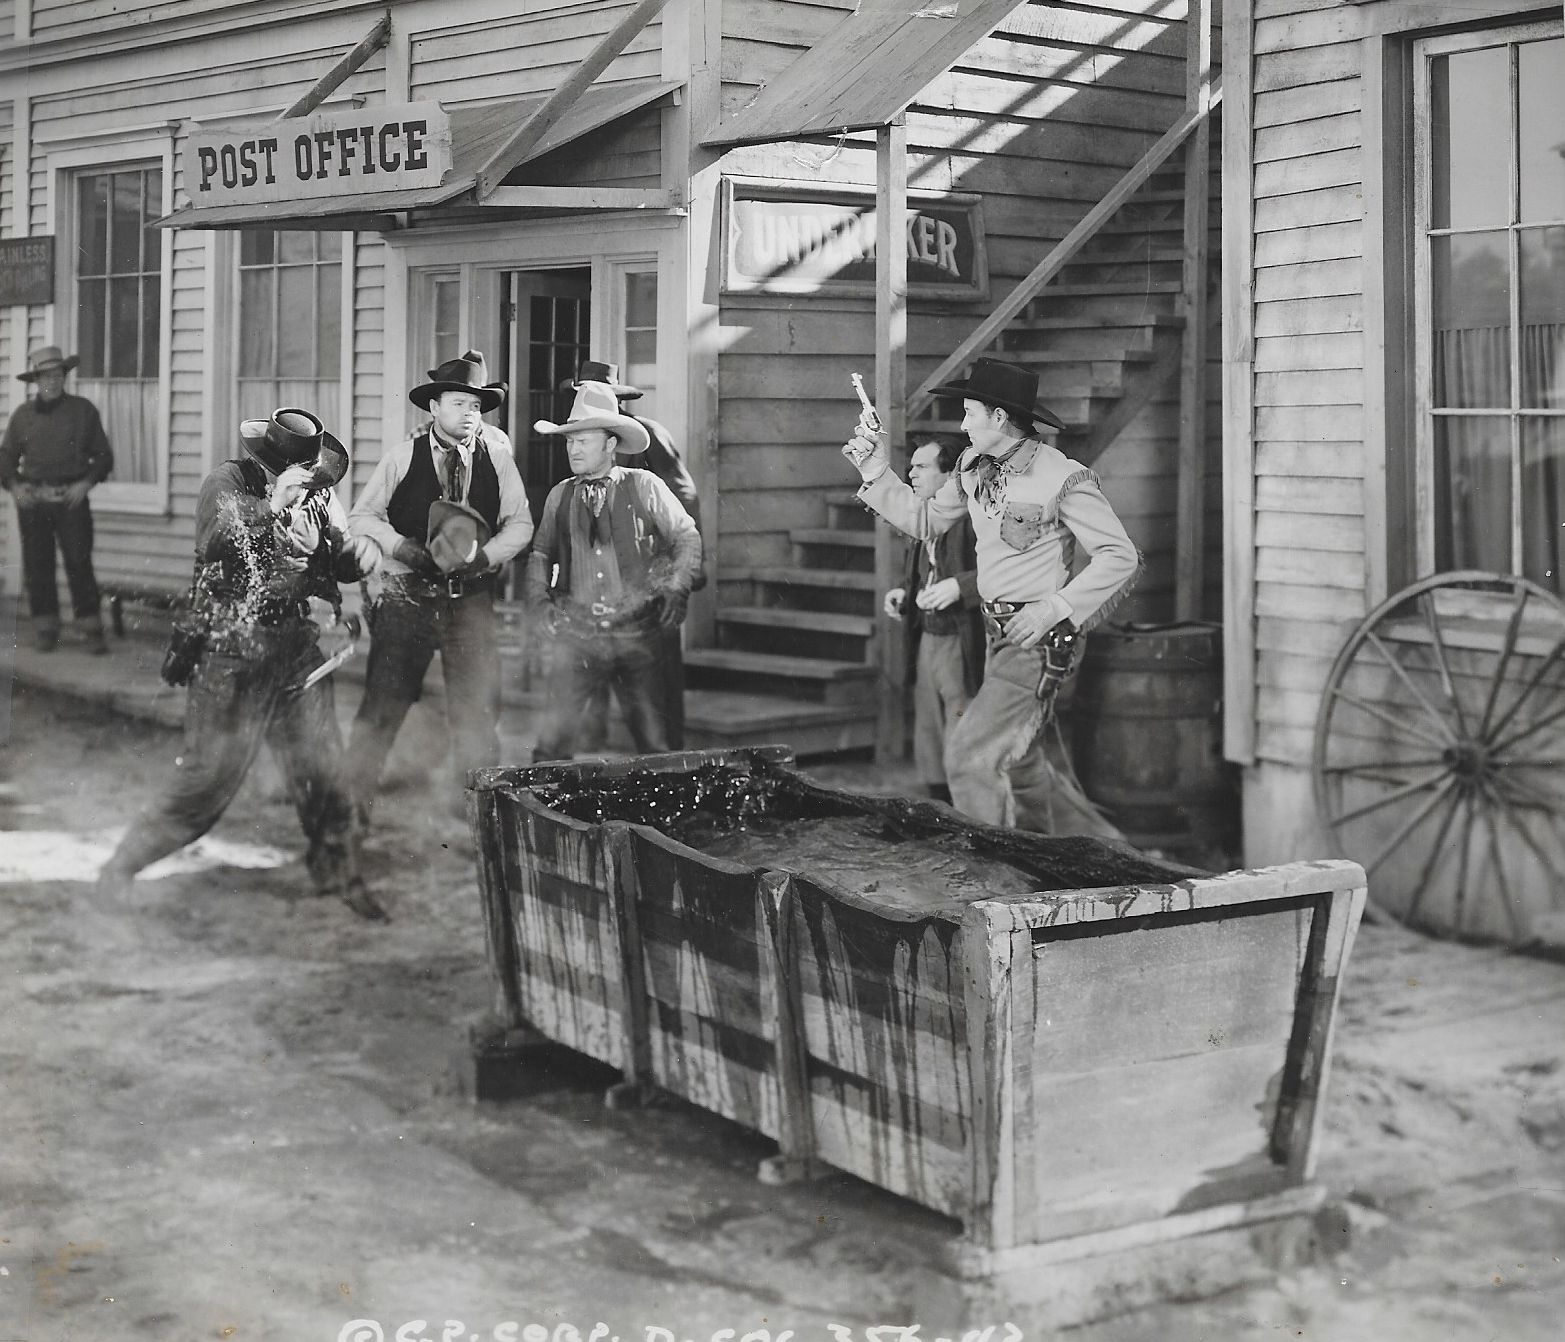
597	407
295	437
1013	388
49	356
607	373
456	534
466	372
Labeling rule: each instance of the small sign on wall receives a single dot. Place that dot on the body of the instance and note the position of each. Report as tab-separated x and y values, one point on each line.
26	271
340	153
792	238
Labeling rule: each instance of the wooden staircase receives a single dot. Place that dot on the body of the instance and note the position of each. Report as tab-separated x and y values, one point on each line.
798	662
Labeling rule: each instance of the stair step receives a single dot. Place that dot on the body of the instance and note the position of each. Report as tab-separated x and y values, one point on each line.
816	621
786	576
1104	290
857	540
1164	319
768	664
715	718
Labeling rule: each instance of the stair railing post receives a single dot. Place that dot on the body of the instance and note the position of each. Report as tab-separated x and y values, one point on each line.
891	402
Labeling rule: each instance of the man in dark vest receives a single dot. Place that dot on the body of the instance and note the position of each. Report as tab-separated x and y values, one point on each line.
664	459
939	603
419	606
54	451
612	569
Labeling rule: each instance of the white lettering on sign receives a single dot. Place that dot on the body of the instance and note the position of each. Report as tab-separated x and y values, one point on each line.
338	153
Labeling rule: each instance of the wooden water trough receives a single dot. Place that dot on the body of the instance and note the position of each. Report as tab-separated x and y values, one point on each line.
1077	1051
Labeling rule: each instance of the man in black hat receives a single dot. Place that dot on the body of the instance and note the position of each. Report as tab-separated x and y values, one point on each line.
612	570
53	453
270	534
1031	508
422	603
663	458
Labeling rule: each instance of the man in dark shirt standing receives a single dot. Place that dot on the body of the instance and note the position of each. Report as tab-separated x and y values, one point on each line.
611	568
54	451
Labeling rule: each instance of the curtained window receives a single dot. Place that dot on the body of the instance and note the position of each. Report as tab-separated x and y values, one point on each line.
1492	302
290	324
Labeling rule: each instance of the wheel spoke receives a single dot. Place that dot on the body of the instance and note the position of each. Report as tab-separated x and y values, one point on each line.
1408	826
1400	794
1547	800
1437	639
1491	806
1555	874
1459	905
1511	630
1391	719
1533	681
1429	863
1531	729
1371	766
1407	680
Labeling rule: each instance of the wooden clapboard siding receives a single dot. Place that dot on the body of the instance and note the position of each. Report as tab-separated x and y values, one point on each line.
1310	531
371	435
7	21
70	18
627	152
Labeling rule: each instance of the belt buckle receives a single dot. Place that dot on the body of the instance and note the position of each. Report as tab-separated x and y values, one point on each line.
453	586
600	609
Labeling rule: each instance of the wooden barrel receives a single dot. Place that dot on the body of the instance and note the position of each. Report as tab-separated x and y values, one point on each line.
1147	736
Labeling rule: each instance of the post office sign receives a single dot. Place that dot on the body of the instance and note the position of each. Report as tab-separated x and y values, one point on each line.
327	154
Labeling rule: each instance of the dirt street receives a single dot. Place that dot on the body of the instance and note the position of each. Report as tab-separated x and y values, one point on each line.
235	1111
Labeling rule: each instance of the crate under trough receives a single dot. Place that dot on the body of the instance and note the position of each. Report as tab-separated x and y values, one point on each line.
1068	1046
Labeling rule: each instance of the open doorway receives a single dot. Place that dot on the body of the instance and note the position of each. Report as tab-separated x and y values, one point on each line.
545	330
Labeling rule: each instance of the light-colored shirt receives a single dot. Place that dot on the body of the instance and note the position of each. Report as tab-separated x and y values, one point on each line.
1042	506
515	523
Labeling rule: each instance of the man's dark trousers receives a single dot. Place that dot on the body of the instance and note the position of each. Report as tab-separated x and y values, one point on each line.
41	526
407	626
234	704
584	666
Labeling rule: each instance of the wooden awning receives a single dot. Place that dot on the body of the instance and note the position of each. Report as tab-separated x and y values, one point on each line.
865	71
478	134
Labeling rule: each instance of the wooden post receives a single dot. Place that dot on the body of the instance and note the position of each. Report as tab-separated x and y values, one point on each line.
558	103
1190	538
372	42
891	402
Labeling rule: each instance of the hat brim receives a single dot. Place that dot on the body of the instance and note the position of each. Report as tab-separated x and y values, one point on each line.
252	434
1031	412
489	398
623	391
442	511
64	365
632	437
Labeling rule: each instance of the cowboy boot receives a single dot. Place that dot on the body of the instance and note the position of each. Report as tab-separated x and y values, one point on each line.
46	633
92	635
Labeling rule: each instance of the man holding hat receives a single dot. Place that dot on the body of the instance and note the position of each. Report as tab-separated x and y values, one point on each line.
664	459
448	511
611	569
54	451
1031	507
270	534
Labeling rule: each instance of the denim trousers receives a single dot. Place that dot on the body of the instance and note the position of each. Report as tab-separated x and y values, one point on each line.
585	666
42	527
995	761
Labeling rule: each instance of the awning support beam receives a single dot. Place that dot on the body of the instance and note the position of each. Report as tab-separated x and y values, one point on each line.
372	42
558	103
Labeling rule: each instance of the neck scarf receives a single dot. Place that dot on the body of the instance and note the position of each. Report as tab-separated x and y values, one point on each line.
993	474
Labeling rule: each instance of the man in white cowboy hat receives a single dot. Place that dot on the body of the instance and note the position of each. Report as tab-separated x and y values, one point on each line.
664	459
1031	508
53	453
449	511
611	568
270	534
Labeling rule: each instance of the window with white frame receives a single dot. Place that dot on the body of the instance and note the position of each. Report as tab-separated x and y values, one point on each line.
118	310
290	317
1489	235
641	336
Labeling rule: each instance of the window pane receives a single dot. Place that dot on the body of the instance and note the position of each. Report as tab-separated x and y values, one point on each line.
1473	493
641	359
1470	136
295	246
329	246
296	322
1471	306
92	302
641	299
1543	501
150	325
328	351
92	212
152	207
256	248
1542	130
125	224
1542	351
124	326
255	323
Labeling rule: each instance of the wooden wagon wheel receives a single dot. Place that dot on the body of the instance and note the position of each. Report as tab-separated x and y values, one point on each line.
1439	755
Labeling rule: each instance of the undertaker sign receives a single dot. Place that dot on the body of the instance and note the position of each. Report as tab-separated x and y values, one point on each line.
338	153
